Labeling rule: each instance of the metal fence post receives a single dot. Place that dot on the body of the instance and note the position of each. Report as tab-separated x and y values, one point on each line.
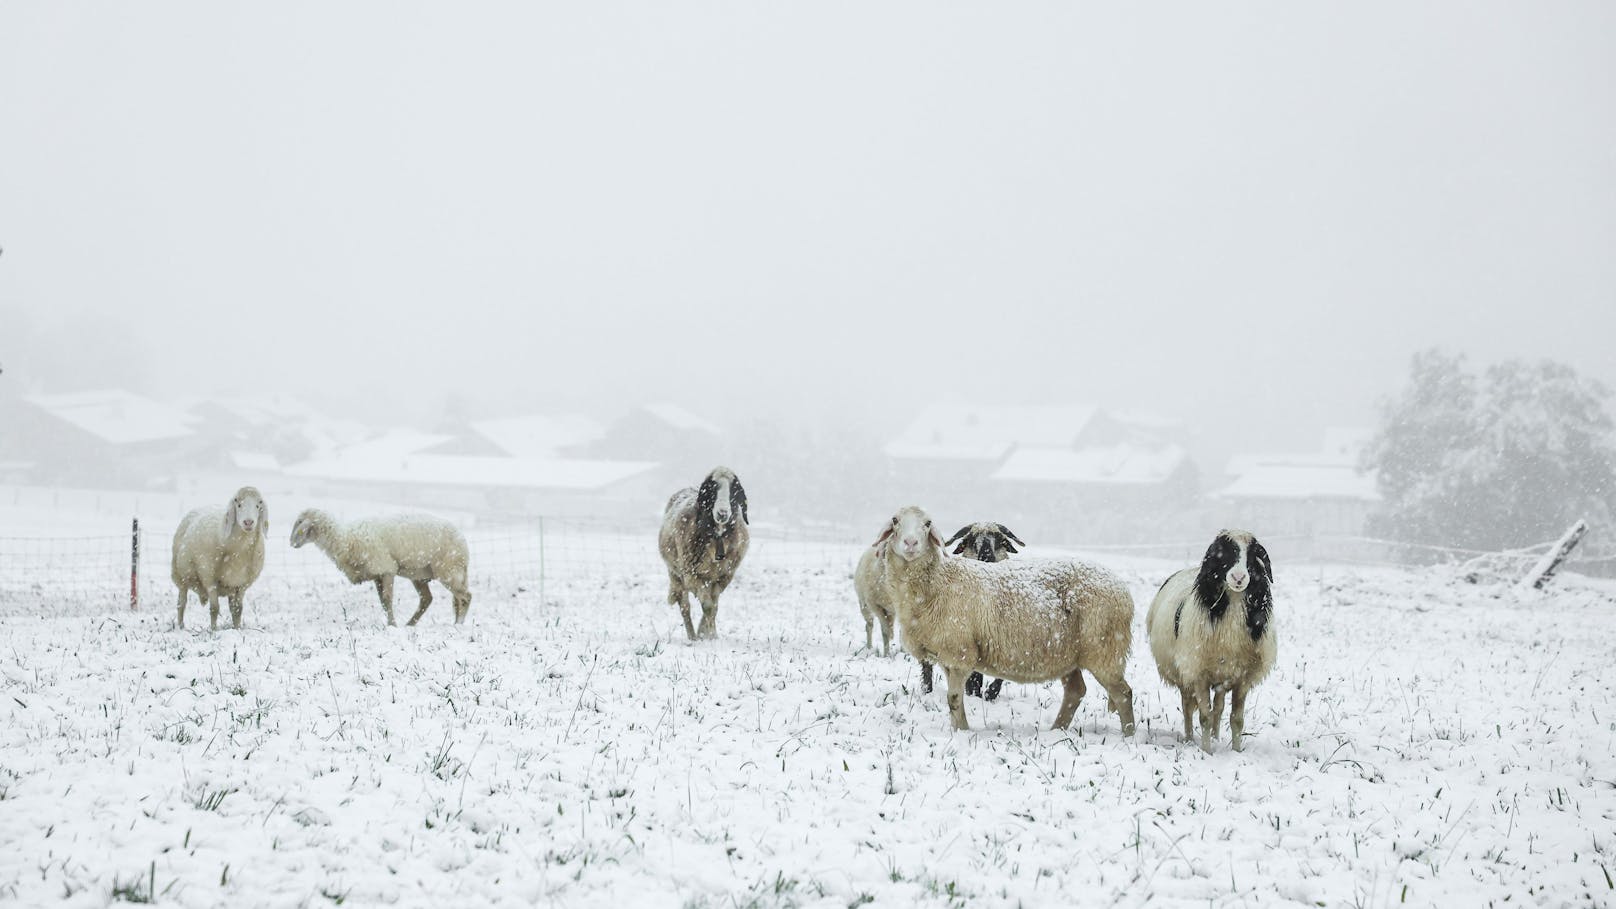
134	564
541	561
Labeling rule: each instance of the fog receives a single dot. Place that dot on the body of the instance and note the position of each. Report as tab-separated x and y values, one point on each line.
1247	220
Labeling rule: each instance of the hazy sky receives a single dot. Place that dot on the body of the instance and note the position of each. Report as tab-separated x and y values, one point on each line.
1247	219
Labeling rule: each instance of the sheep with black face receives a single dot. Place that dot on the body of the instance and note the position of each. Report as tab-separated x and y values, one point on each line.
985	542
703	539
1212	633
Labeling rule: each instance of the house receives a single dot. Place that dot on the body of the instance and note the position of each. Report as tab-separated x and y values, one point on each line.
104	437
408	468
1309	494
544	436
1057	472
684	444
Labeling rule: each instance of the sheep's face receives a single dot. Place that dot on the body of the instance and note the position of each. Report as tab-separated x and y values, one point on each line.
246	512
302	530
985	542
722	498
911	534
1234	562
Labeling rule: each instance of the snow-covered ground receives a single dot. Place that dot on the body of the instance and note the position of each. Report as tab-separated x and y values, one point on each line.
1420	742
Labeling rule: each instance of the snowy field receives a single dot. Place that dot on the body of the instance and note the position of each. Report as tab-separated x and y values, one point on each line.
1421	742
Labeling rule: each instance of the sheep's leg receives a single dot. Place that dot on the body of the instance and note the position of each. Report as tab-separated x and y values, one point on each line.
1203	698
886	635
956	695
184	595
925	676
1217	711
709	616
869	630
973	685
235	609
462	605
1119	695
426	600
1075	690
992	692
684	610
384	589
1189	714
1237	718
213	609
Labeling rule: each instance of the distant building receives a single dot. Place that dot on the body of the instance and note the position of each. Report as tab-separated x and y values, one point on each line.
684	444
104	438
1061	473
1306	494
531	436
408	468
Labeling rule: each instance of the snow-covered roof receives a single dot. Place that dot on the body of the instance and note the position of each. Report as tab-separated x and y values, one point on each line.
539	435
1342	448
1302	481
969	432
679	418
459	470
1111	464
116	416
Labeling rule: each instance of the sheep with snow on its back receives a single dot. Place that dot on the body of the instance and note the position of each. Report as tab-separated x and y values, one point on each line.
1212	633
420	547
220	551
703	540
985	542
1026	621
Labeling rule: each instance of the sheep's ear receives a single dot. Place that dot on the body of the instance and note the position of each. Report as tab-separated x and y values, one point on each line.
263	518
738	493
935	539
1011	534
706	496
230	515
880	543
1011	547
960	549
957	534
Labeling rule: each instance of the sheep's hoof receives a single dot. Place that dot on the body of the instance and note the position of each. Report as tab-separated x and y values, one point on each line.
1236	744
1128	729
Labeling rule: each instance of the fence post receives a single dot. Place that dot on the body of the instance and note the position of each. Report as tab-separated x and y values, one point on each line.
541	561
134	564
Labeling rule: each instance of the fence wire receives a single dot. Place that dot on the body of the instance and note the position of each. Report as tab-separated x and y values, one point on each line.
547	559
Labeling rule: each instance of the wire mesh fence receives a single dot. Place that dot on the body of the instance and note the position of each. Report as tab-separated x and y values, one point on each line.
105	564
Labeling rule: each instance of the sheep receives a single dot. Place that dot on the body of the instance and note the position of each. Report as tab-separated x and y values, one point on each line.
986	542
1212	633
869	586
703	543
1023	621
220	551
420	547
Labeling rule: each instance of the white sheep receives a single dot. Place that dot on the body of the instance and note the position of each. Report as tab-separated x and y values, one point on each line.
702	541
1212	633
420	547
220	551
870	587
1026	621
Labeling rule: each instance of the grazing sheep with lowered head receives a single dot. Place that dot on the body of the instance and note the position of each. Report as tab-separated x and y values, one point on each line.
702	541
1026	621
420	547
220	551
1212	633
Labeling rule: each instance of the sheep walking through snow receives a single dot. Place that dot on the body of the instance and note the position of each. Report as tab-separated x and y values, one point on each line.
703	540
220	551
1026	621
419	547
1212	633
